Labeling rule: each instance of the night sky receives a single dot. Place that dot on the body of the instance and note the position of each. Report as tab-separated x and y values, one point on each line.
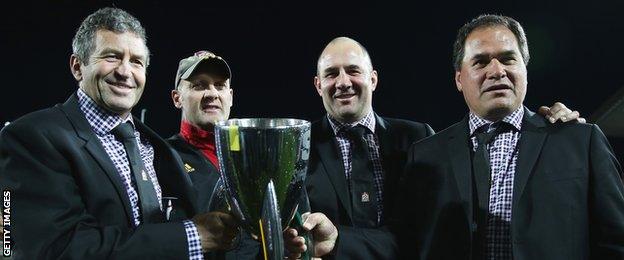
272	48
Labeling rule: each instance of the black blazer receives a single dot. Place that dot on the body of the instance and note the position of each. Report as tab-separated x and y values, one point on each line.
327	186
204	176
68	200
568	197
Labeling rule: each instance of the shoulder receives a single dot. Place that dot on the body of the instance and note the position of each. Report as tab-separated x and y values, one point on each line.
320	127
572	127
182	147
407	126
318	124
37	122
176	141
576	134
436	139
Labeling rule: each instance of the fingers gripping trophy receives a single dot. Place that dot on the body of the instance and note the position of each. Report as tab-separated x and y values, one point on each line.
263	165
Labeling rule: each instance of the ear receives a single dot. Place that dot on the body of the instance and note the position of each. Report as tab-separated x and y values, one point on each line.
458	81
232	97
374	79
175	96
317	85
75	67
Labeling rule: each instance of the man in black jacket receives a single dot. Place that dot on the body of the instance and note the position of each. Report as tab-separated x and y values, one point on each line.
86	179
203	93
353	190
503	183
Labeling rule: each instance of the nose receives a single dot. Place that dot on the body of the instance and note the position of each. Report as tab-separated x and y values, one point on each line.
343	81
210	92
496	70
123	70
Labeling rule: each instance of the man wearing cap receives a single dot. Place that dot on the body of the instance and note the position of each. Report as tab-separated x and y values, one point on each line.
203	93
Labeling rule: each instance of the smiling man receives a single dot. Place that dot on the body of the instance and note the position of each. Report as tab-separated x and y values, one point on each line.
503	183
87	178
356	159
353	158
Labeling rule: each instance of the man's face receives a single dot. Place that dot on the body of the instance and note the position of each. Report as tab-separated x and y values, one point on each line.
204	98
345	81
492	77
114	75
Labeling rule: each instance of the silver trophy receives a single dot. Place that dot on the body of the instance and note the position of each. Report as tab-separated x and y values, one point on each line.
263	164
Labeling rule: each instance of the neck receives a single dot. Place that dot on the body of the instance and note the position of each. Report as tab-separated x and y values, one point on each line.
191	131
351	119
495	116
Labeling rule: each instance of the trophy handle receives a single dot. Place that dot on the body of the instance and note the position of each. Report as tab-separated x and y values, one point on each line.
303	206
298	225
217	199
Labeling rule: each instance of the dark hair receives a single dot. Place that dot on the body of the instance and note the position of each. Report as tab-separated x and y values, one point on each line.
489	20
108	18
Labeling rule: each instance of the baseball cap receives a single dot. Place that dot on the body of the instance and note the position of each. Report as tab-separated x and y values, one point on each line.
189	65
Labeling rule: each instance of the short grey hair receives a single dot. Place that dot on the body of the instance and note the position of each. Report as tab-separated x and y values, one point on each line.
108	18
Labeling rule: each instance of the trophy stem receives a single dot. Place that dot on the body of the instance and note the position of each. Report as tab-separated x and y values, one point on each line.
271	226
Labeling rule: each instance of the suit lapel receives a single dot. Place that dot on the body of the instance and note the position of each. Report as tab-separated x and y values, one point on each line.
385	136
530	146
459	148
392	161
94	147
329	155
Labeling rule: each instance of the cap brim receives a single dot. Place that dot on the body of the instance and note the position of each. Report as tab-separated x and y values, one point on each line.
217	60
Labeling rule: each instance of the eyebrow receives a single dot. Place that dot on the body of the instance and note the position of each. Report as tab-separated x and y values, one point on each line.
116	51
482	56
348	67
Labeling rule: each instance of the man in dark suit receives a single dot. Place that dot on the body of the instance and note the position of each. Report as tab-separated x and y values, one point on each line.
503	183
355	204
350	208
87	180
204	95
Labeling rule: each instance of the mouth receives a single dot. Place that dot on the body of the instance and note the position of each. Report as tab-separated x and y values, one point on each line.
344	96
120	87
497	87
210	108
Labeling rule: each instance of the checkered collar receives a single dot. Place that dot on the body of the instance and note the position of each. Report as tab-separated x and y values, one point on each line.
101	120
475	122
367	121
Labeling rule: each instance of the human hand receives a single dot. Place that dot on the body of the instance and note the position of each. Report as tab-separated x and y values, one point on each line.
324	235
559	111
217	230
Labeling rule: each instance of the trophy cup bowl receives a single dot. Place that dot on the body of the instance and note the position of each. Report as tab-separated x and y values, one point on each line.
263	164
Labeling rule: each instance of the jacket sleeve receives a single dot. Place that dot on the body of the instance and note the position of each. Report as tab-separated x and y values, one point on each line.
48	217
365	243
606	198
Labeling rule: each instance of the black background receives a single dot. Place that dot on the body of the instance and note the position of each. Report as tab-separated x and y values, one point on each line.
272	48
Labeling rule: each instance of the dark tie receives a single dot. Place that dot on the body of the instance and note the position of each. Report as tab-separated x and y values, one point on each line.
362	184
482	180
150	208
